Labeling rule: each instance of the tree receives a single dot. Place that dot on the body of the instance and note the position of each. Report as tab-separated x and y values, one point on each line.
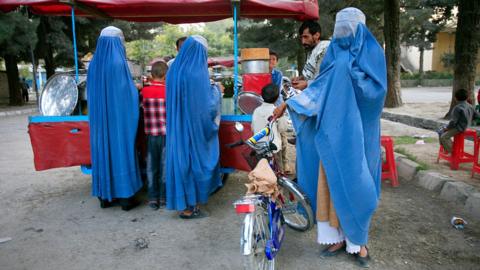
392	52
17	35
281	35
467	44
142	51
418	28
55	37
54	46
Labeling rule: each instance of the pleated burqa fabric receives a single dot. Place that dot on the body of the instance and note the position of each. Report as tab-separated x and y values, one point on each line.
193	118
337	120
113	115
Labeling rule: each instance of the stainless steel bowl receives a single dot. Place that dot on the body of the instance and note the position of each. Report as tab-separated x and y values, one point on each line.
249	101
60	96
255	66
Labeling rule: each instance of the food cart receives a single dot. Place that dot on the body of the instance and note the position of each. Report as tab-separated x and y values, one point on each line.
62	141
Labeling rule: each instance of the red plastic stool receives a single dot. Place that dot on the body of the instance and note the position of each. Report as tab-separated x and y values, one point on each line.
476	150
458	154
389	167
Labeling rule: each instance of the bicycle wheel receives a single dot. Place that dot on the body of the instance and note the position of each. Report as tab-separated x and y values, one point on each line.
255	234
296	208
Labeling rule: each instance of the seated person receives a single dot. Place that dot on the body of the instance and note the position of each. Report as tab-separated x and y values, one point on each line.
260	117
461	118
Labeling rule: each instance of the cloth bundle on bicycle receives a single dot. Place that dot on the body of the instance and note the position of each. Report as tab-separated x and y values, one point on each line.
262	180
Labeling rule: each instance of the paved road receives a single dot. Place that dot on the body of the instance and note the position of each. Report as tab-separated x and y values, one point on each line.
426	94
56	224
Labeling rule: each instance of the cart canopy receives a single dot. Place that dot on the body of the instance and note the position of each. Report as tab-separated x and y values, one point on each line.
170	11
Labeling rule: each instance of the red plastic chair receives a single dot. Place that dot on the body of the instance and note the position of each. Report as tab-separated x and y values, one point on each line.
389	167
476	150
458	154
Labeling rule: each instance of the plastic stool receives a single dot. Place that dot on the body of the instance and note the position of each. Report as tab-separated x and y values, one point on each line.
476	150
389	167
458	154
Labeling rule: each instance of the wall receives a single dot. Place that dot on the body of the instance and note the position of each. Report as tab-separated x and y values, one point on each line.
445	44
410	57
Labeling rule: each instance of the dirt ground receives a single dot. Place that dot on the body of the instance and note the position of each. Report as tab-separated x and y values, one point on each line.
54	223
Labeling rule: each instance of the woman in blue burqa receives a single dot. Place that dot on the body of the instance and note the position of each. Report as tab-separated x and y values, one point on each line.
339	113
113	115
193	118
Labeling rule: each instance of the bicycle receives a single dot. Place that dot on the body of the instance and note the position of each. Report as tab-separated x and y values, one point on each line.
263	227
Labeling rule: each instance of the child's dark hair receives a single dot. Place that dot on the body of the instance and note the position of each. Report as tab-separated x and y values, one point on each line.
270	93
274	54
461	95
159	69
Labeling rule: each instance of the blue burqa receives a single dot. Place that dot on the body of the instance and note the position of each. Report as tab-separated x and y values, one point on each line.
192	149
113	115
339	113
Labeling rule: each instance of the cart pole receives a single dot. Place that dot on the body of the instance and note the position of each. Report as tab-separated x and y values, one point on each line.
235	60
75	56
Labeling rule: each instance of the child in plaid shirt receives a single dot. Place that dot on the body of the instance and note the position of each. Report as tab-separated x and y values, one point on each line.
155	129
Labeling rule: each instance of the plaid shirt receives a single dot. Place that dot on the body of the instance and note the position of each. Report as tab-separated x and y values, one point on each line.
154	109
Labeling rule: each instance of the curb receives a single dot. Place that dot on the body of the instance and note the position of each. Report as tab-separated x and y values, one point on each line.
413	121
18	112
448	188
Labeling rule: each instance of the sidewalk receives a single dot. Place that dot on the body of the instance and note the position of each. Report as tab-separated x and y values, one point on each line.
30	108
425	107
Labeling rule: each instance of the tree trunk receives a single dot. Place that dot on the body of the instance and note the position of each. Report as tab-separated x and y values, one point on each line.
392	52
467	43
420	68
44	48
14	90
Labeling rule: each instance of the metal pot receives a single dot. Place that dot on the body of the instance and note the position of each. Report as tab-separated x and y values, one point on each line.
255	66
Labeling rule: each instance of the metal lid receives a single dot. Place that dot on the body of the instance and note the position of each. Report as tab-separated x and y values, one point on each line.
60	96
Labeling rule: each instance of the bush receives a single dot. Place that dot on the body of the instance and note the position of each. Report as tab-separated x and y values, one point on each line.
448	60
428	75
228	84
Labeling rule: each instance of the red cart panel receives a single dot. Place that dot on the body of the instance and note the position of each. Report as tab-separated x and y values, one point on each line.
59	144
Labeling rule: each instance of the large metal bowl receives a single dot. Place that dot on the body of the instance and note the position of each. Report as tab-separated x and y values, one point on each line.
60	96
255	66
249	101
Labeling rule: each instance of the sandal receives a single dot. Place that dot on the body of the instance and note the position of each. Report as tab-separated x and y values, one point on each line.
196	213
363	261
154	204
329	253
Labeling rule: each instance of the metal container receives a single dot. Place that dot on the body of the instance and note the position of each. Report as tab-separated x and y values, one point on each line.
248	102
60	96
255	66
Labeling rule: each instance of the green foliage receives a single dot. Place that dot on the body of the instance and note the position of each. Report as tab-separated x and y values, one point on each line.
411	140
17	33
429	75
228	83
417	25
24	72
220	42
281	35
142	51
448	60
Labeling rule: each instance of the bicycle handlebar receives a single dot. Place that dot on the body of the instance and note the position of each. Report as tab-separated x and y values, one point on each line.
253	141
